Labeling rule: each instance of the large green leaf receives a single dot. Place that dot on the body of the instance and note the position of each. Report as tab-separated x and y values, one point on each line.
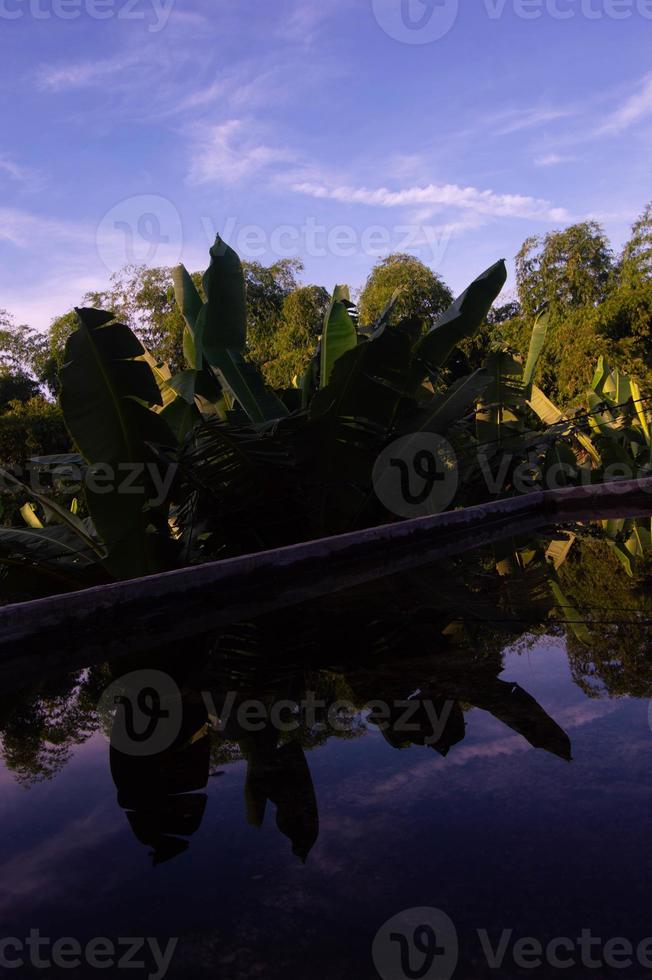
105	392
245	382
351	419
537	341
58	513
220	333
445	409
222	320
190	303
460	321
339	336
48	544
498	424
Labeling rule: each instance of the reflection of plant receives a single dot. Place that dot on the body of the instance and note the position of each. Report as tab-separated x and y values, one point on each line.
616	610
40	729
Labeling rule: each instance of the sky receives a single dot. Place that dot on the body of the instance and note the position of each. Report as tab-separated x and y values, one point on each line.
334	130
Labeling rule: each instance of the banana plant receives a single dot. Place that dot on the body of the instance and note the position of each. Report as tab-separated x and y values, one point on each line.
215	339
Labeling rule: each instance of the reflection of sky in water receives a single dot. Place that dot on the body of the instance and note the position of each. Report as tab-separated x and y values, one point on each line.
497	834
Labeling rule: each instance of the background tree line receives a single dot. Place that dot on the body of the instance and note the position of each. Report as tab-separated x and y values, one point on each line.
599	302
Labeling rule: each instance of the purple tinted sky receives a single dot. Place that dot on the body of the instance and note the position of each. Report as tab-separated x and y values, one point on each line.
337	131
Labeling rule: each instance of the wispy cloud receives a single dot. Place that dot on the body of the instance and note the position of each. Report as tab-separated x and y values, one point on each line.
516	120
632	110
552	160
230	152
439	196
80	74
19	174
22	229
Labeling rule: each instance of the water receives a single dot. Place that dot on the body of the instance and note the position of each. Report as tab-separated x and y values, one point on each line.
483	827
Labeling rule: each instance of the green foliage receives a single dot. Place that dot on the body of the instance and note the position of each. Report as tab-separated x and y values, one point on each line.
268	287
636	262
220	333
16	386
257	471
597	307
143	299
32	428
105	392
564	270
294	342
616	661
423	293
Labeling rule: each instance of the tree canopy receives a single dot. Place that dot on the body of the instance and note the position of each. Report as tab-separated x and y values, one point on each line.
422	292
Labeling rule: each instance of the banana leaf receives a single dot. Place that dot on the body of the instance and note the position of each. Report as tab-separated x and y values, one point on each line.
339	336
105	393
460	321
220	332
537	341
190	303
497	423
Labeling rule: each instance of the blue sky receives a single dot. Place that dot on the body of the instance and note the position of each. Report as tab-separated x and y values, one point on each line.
336	130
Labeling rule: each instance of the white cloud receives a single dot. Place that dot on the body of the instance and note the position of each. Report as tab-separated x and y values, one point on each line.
439	196
552	160
77	75
516	120
632	110
23	229
230	152
25	176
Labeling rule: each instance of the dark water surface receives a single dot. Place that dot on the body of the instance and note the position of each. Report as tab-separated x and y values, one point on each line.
493	833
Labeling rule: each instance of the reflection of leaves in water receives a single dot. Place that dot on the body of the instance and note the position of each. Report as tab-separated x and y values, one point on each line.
41	727
618	660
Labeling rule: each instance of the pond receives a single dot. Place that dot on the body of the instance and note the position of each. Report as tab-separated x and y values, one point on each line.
394	810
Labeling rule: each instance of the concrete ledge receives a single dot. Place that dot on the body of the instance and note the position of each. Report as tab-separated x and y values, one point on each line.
92	625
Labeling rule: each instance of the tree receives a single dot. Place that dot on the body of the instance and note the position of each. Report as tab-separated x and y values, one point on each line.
16	386
636	261
143	299
22	349
293	344
565	269
422	292
267	289
31	428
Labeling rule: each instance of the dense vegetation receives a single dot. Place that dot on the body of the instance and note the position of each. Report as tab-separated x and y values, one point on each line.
251	410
